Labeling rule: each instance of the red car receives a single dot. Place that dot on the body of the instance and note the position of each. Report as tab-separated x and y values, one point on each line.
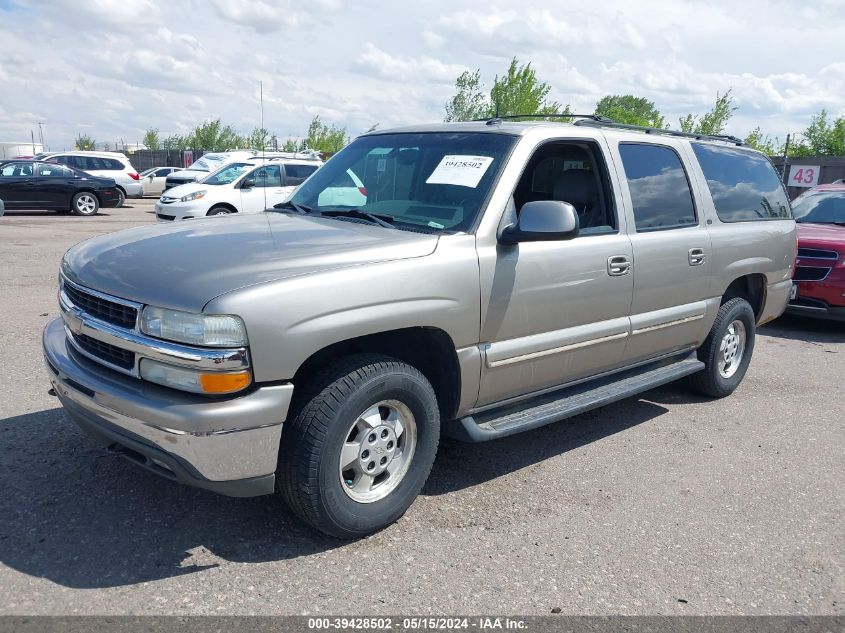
819	288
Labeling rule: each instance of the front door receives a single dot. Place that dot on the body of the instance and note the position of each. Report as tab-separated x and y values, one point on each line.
266	191
558	311
672	255
17	186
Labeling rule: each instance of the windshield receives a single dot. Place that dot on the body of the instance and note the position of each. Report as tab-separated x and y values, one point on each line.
226	174
821	208
207	163
435	181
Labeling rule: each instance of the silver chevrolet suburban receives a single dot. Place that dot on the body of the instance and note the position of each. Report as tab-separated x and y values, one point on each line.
488	278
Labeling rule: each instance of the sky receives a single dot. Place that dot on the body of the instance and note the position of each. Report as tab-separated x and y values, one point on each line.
113	68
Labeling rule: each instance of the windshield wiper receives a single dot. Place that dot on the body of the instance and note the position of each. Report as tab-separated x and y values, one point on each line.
293	206
382	220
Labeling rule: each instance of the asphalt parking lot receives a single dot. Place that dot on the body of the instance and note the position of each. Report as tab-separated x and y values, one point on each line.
663	504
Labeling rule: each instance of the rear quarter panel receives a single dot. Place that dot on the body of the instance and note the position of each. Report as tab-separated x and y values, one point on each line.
766	247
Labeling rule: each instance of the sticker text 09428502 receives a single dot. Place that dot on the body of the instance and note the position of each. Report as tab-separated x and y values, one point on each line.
465	171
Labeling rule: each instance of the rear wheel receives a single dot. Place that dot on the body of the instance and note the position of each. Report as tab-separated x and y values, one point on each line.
358	449
726	353
121	197
219	211
85	203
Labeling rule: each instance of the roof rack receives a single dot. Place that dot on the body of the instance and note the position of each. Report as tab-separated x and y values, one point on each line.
509	117
596	120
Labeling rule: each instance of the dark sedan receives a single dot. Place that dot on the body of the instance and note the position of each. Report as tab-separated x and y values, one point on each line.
33	184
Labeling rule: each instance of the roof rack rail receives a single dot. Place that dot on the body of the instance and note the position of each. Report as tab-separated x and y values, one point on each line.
508	117
603	122
597	120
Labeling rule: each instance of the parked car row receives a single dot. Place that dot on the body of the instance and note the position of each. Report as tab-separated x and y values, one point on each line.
104	165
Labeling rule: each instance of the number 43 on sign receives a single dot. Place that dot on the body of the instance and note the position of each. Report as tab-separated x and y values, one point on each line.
803	176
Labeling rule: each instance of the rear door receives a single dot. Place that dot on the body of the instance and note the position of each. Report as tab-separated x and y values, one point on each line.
56	185
671	249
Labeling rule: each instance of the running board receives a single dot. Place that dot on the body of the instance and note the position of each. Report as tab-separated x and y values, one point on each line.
568	402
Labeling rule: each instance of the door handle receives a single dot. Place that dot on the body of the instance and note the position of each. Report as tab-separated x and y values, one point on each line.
696	256
618	265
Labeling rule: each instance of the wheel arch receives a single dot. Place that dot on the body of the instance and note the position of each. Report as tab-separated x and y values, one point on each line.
223	205
429	349
752	288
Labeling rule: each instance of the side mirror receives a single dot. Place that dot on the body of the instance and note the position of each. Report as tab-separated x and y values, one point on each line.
249	183
542	220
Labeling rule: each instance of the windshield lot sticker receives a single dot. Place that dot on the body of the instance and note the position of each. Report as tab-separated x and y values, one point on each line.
465	171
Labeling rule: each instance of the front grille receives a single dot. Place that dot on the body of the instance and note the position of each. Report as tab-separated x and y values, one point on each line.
810	273
817	253
105	352
161	216
109	311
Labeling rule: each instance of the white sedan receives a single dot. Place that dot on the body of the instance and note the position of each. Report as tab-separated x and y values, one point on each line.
154	177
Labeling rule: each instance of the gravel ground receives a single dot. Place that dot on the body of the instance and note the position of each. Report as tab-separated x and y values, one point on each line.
663	504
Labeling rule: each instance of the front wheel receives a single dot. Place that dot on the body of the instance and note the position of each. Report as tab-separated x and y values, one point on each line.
726	352
219	211
85	203
359	446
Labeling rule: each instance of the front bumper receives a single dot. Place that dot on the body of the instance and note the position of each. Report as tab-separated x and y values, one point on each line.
816	309
229	446
177	211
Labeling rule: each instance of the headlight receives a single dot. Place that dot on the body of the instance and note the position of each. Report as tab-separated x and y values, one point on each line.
192	196
210	330
192	380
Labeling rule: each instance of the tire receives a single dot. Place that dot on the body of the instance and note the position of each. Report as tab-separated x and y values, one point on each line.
328	427
219	211
731	337
121	197
85	203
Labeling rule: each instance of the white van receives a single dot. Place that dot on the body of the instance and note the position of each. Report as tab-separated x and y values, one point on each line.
248	186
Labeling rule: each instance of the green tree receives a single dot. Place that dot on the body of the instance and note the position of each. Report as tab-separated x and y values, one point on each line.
152	140
519	91
469	102
84	142
290	145
214	136
756	139
713	121
176	141
631	110
259	139
822	137
325	138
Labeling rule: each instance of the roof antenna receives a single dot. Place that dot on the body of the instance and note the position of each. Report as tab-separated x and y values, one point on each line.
263	143
495	118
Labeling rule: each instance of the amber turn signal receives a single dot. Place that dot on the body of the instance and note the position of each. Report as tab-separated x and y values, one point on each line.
224	383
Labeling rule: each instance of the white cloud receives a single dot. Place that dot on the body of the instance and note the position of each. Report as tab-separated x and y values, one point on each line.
375	61
122	67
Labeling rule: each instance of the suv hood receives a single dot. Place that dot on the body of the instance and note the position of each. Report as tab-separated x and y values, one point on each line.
185	266
184	174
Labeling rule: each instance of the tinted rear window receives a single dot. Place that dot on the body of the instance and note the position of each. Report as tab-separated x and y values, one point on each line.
296	174
660	191
743	184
